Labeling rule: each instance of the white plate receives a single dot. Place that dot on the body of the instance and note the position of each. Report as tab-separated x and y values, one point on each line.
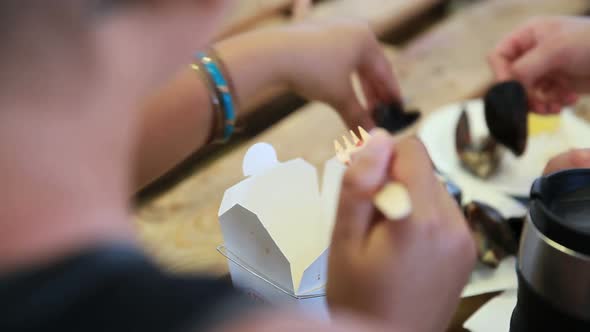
515	175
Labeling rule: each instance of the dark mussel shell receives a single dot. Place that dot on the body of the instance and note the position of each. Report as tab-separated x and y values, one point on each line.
506	113
496	238
393	117
481	159
463	139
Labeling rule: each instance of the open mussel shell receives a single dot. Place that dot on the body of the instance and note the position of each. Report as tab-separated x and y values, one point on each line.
506	112
393	118
496	237
463	139
480	158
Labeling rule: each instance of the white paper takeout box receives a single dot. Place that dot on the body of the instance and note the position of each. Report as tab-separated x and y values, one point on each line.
277	225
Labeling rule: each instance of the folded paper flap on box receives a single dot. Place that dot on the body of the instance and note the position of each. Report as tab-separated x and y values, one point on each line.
330	191
235	261
286	202
315	274
242	234
232	196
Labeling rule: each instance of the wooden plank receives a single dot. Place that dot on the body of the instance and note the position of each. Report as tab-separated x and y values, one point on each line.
446	64
382	15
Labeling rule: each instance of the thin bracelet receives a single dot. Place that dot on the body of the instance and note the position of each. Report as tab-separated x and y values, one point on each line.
222	90
230	83
217	123
215	56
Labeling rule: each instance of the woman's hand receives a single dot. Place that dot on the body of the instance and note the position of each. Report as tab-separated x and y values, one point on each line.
322	59
551	57
569	160
407	273
316	60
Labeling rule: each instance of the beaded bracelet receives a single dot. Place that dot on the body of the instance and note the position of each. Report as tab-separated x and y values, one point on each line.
223	100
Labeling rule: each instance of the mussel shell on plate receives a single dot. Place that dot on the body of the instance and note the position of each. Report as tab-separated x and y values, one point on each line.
496	237
480	158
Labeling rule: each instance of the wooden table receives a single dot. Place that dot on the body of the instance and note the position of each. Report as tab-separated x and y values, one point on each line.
445	64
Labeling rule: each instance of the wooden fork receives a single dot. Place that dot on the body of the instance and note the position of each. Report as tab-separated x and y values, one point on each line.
394	199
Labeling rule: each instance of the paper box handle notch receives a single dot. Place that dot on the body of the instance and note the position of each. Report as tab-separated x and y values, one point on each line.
258	159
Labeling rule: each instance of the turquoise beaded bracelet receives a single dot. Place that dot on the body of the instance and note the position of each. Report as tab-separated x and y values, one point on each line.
223	91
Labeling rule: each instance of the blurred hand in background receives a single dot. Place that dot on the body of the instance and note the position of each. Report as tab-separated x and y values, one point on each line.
551	57
579	158
317	61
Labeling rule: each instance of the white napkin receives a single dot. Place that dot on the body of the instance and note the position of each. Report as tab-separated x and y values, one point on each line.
487	280
495	315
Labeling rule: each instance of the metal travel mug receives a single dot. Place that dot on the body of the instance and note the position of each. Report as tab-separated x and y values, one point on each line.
554	257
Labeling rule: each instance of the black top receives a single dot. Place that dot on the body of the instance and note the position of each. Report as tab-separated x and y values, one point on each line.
114	288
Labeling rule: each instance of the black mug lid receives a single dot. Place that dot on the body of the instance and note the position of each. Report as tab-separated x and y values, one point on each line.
560	208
